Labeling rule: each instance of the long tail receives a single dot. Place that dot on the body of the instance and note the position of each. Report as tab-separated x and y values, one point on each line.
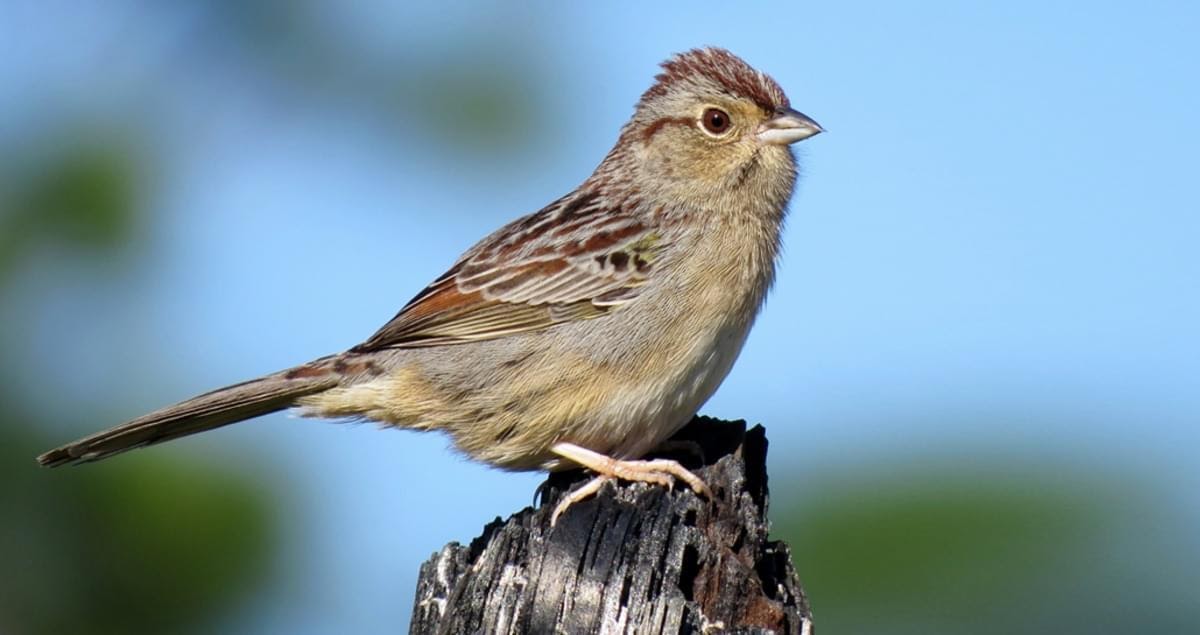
211	410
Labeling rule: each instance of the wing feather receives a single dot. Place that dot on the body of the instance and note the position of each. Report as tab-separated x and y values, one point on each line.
574	260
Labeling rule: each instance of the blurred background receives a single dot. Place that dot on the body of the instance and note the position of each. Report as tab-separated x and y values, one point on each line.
979	370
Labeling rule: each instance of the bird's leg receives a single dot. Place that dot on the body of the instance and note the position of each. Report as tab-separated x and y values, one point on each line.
587	490
657	471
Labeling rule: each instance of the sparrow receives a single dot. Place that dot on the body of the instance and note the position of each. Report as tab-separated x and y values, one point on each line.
584	334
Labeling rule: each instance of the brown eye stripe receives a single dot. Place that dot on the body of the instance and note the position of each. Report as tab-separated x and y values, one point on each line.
658	124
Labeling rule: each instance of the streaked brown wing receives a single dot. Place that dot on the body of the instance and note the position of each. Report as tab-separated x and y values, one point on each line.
574	260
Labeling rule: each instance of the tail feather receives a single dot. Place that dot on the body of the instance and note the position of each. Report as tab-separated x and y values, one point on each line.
211	410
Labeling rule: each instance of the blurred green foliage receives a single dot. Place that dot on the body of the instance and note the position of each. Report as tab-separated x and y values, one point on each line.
139	546
146	547
478	103
477	95
951	549
81	193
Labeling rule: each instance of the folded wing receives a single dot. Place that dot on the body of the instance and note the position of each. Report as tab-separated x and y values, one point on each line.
576	259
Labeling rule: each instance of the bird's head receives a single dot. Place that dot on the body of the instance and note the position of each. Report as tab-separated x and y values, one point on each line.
710	127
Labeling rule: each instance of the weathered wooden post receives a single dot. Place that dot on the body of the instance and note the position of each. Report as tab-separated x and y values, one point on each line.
634	559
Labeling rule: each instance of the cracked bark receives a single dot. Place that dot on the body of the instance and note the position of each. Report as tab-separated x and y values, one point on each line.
633	559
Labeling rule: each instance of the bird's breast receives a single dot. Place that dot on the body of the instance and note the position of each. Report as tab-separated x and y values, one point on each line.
682	338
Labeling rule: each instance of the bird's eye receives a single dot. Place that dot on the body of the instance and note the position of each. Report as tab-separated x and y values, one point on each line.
715	121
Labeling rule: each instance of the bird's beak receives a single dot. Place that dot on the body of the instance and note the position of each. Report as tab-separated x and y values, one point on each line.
787	126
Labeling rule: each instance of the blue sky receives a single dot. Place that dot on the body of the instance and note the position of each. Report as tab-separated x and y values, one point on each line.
1001	220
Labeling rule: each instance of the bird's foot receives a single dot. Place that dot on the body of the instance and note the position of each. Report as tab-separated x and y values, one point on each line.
656	471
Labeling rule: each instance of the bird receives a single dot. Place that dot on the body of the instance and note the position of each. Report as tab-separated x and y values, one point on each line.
586	333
